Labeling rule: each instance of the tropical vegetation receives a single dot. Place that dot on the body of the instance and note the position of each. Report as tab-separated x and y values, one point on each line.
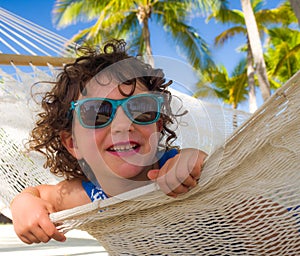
269	56
130	20
281	49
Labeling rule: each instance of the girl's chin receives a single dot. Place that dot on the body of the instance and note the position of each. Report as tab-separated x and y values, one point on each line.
130	159
131	174
129	171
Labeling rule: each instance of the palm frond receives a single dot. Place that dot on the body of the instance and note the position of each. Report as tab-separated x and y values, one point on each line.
224	36
67	12
227	16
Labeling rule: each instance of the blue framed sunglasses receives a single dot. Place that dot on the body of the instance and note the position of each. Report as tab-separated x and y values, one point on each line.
96	113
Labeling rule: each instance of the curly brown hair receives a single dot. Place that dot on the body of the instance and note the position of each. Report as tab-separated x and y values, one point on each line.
45	137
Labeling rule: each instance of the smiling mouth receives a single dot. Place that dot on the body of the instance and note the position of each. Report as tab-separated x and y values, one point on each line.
124	148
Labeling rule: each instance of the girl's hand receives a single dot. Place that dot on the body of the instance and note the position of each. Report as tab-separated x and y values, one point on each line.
31	219
180	173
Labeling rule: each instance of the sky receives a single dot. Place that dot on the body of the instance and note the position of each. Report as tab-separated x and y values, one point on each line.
40	12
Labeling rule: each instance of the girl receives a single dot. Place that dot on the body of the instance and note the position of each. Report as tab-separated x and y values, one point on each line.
105	129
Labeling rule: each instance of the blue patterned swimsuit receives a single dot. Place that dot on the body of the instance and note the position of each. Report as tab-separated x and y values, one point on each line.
95	192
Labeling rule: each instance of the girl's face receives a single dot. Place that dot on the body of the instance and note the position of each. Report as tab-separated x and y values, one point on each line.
120	150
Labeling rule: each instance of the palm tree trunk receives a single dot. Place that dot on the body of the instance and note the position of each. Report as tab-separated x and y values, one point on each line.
143	15
234	116
251	81
146	36
296	7
256	48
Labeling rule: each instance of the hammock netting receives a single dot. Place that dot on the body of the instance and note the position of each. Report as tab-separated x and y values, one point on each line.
246	203
23	37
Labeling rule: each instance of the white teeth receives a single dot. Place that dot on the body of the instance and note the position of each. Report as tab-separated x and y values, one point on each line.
123	148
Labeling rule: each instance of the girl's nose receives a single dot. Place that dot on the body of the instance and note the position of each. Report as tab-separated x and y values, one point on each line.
121	122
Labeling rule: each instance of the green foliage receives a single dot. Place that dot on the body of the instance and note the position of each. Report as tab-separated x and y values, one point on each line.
232	89
283	54
281	51
129	20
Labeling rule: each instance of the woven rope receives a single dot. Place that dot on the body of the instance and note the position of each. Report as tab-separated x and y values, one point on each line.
21	36
17	111
247	201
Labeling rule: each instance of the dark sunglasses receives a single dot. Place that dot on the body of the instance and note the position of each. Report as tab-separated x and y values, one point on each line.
96	113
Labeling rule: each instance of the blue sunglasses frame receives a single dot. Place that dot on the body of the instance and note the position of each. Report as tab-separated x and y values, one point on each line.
159	99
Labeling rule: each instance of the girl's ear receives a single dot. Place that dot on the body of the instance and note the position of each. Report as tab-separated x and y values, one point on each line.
70	144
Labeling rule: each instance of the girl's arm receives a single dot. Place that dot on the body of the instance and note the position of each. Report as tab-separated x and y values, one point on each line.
31	208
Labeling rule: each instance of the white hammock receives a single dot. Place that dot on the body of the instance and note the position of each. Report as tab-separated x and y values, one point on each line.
246	203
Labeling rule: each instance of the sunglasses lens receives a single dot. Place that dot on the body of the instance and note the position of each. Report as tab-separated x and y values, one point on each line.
95	113
143	109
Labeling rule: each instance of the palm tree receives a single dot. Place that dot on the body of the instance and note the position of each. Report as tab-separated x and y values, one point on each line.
256	49
236	17
232	89
130	20
283	54
264	18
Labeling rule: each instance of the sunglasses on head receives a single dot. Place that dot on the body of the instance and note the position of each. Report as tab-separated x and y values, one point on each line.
96	113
